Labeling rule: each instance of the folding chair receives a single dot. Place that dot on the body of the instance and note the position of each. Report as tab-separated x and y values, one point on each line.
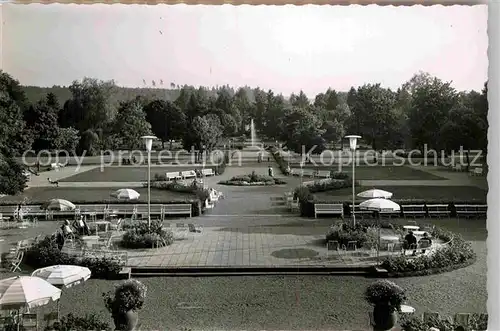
16	261
30	321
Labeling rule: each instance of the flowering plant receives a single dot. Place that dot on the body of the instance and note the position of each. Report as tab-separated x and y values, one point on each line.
385	293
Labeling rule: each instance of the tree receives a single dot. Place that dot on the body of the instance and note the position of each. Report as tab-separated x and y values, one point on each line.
167	120
130	125
242	103
15	138
300	100
205	131
229	124
90	106
12	179
67	139
41	118
431	103
301	129
88	144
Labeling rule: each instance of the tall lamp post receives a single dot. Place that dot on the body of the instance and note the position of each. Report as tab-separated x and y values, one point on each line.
353	139
148	140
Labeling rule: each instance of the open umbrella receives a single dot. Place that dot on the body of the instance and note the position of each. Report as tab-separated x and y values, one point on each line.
374	193
379	204
26	292
59	204
63	276
126	194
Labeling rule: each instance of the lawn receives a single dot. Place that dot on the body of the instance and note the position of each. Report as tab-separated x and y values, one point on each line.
91	194
124	174
429	193
380	172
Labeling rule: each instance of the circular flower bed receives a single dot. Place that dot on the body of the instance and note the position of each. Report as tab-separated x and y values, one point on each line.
454	253
142	236
253	180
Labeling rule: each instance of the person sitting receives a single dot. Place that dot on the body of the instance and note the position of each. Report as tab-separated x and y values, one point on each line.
79	225
288	170
411	241
425	242
66	229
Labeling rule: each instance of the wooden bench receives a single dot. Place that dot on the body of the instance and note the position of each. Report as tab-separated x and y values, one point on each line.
361	212
308	172
35	211
438	211
413	210
141	211
8	211
177	209
207	172
173	175
330	209
120	209
468	211
188	174
323	174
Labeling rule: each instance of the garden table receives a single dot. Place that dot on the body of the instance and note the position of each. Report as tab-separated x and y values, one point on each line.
405	309
411	227
419	233
390	238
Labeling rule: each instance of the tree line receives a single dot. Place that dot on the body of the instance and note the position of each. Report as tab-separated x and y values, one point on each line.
424	110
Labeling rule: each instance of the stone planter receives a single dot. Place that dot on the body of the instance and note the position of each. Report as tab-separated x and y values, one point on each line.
384	318
126	321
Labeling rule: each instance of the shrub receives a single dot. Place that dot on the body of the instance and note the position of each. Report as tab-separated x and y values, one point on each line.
71	322
46	253
455	253
343	233
140	235
193	188
128	295
282	164
386	293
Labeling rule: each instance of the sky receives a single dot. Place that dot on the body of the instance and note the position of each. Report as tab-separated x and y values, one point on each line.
284	48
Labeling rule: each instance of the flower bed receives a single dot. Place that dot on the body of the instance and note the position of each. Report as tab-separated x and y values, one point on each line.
364	236
454	254
140	235
46	253
253	180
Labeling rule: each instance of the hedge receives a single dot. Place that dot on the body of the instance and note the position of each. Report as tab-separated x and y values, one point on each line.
46	253
282	164
253	179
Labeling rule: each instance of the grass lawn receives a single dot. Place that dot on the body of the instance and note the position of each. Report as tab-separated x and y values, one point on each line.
380	172
124	174
429	193
94	194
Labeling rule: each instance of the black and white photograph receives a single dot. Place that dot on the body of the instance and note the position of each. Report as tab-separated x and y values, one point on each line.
219	167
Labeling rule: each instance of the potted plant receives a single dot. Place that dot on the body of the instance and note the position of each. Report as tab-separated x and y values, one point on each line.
124	302
386	298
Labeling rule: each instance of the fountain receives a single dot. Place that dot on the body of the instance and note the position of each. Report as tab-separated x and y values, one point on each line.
252	133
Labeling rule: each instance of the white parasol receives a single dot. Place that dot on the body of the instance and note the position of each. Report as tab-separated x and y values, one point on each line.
126	194
375	193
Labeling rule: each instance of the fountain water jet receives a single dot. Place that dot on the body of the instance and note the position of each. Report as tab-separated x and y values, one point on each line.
252	133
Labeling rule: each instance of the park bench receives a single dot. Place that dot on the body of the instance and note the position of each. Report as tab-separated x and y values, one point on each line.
390	213
413	210
35	211
207	172
328	208
438	211
141	211
361	212
471	210
278	201
178	209
120	209
308	172
173	175
188	174
91	211
323	174
8	211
